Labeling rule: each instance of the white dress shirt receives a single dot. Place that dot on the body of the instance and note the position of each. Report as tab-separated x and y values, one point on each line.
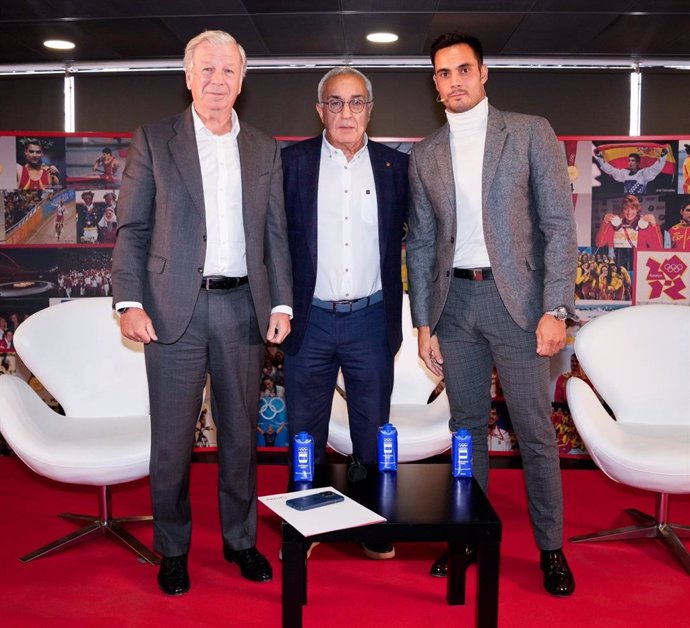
219	157
349	265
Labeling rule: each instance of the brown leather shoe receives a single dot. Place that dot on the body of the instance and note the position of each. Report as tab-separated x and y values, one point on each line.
309	550
378	551
558	579
253	564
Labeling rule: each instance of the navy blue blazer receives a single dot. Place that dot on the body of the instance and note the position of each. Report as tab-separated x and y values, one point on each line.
300	183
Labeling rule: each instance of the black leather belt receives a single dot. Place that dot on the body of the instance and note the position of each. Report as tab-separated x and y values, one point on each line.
473	274
223	283
349	306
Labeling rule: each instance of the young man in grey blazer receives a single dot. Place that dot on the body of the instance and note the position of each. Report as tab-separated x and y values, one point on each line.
491	254
201	275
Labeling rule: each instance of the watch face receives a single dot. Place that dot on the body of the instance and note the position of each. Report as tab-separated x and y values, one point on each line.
561	313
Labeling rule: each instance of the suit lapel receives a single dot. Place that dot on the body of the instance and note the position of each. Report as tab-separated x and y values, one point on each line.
383	171
250	170
308	169
495	139
444	166
186	156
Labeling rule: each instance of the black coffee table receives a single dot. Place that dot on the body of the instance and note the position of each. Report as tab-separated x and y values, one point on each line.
421	502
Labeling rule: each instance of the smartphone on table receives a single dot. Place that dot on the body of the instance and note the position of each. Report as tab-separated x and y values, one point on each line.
315	500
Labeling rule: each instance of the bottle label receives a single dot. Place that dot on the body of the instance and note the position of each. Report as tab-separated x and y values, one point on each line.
303	461
462	457
388	453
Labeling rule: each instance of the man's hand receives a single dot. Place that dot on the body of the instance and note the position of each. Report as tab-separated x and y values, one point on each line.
550	335
136	325
429	350
278	328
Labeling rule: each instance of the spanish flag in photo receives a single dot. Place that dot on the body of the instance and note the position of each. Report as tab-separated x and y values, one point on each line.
649	152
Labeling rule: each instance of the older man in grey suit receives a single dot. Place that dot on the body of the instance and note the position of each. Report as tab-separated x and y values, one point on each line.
491	255
201	274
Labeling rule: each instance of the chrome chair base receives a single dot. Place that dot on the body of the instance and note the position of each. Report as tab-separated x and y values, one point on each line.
102	525
648	527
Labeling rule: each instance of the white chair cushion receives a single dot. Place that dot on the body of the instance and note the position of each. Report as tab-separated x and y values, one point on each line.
96	451
638	362
77	352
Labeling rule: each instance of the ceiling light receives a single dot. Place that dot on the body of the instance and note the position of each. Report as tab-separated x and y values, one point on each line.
382	38
58	44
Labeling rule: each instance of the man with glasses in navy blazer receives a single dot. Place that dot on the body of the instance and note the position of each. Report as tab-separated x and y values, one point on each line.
345	199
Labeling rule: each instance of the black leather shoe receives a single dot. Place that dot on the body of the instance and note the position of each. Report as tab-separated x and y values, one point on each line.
378	551
253	564
173	578
440	567
558	579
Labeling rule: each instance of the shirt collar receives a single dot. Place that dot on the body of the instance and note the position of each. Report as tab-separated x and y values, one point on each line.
201	130
332	150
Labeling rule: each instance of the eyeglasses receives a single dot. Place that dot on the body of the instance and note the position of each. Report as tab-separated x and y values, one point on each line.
335	105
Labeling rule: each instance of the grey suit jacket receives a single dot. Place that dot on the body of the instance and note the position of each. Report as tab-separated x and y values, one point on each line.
159	255
527	213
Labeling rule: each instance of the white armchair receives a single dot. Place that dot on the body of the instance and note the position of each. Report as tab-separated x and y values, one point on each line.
422	427
75	349
638	360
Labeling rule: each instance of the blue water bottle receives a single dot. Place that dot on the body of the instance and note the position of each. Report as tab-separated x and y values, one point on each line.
303	457
461	454
388	448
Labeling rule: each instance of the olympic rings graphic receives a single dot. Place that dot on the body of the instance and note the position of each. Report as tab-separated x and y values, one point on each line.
270	407
673	268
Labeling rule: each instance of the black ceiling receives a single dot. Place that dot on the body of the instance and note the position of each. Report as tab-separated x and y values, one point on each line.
114	30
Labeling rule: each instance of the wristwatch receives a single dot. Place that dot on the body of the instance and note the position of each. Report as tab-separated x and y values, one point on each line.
122	310
560	312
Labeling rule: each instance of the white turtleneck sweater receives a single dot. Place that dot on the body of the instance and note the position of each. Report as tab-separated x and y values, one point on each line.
467	138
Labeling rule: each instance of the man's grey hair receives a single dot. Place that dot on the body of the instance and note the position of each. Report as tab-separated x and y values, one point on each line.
215	38
340	70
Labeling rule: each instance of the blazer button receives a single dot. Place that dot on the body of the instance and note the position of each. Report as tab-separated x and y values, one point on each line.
204	237
201	270
452	240
447	273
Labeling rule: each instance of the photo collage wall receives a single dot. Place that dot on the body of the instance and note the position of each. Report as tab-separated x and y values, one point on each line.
58	204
